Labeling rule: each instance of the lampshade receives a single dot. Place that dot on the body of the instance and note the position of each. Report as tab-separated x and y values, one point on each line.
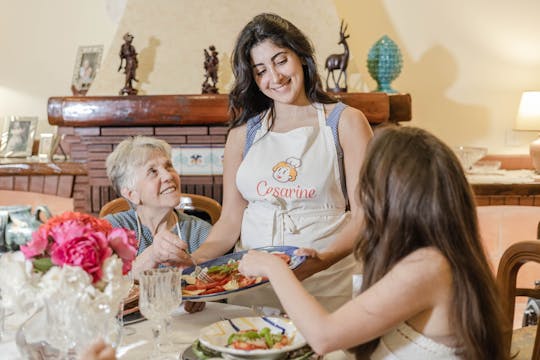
528	119
528	116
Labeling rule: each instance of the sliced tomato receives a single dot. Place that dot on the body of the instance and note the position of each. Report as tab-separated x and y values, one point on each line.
245	281
242	345
214	290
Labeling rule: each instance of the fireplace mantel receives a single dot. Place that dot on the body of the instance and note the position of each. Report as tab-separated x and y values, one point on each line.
166	110
93	125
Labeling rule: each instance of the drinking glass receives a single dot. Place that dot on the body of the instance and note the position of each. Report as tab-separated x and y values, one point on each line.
127	331
159	294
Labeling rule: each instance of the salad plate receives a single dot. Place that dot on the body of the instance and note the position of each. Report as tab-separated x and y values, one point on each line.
216	336
294	262
197	351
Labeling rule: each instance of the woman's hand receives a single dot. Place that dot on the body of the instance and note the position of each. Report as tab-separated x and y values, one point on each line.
168	248
315	262
193	307
99	351
258	263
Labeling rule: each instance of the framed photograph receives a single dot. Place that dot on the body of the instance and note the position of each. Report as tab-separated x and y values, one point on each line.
46	142
18	136
86	66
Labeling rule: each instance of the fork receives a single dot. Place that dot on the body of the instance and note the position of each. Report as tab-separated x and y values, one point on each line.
199	273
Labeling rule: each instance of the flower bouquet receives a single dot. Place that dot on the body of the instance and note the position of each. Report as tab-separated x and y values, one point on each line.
72	271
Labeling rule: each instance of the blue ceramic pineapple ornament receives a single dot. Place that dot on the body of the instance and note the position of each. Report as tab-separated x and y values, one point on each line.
384	63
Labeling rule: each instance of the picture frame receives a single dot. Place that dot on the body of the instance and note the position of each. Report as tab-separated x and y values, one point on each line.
46	143
87	65
18	136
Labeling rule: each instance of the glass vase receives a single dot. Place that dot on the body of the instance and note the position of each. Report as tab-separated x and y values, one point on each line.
60	329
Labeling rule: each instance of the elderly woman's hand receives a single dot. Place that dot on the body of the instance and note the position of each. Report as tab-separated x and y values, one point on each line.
168	248
99	351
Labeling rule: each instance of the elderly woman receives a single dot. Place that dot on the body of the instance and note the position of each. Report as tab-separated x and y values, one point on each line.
140	170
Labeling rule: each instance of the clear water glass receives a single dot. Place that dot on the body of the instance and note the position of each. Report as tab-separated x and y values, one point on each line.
160	294
126	331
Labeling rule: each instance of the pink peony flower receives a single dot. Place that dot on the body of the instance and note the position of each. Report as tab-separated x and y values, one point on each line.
124	243
88	252
37	245
80	240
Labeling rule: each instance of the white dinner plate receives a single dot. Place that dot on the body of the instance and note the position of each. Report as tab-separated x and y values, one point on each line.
289	250
215	336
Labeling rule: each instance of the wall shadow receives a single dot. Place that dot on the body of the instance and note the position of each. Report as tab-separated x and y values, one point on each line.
147	60
428	80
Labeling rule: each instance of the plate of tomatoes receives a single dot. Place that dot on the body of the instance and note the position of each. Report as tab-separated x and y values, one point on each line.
227	280
252	337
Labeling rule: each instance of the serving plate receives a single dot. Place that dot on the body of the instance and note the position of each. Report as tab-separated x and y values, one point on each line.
289	250
215	336
197	351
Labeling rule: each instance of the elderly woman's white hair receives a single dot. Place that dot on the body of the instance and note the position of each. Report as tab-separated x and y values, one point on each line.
130	153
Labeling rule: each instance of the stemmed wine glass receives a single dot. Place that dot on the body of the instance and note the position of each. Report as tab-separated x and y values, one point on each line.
159	294
125	330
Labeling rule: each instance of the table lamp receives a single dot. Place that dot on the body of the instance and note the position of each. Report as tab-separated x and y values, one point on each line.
528	119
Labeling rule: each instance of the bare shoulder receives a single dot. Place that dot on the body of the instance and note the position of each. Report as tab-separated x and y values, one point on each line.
427	264
353	122
236	139
237	134
352	114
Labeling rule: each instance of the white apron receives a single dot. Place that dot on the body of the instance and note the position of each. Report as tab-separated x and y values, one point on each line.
292	184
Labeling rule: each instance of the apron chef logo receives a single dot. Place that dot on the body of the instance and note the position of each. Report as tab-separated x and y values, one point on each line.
285	171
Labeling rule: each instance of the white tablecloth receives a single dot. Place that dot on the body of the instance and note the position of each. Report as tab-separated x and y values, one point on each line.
184	330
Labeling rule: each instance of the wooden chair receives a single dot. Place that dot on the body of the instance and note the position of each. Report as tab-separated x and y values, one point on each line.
511	261
201	203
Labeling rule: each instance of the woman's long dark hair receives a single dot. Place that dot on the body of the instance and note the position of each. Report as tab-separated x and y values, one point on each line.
245	98
414	194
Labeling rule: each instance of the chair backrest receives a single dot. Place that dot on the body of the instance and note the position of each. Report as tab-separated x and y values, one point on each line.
201	203
511	261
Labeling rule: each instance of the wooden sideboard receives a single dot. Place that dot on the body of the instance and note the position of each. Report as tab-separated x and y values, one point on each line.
59	178
92	126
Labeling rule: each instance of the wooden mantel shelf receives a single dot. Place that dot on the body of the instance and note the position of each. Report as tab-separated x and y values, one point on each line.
93	125
22	167
195	109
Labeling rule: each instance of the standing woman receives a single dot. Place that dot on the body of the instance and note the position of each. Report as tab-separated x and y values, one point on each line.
292	155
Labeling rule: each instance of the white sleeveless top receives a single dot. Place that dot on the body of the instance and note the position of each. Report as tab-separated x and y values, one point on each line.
293	187
405	343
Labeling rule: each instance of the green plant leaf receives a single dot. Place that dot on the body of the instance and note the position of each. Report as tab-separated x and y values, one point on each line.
43	264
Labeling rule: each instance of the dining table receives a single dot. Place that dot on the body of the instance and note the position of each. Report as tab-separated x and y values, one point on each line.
137	343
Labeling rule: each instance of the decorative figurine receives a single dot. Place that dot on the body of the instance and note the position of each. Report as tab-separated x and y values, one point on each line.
128	52
211	64
338	62
384	63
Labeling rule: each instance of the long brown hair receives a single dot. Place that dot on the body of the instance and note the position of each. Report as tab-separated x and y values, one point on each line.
414	194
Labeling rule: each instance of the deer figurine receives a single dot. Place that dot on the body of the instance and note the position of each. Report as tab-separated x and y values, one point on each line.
338	62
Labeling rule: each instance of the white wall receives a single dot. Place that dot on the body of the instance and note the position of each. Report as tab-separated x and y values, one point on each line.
465	62
38	46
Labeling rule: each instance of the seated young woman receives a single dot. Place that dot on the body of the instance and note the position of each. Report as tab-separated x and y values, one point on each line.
428	291
140	170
